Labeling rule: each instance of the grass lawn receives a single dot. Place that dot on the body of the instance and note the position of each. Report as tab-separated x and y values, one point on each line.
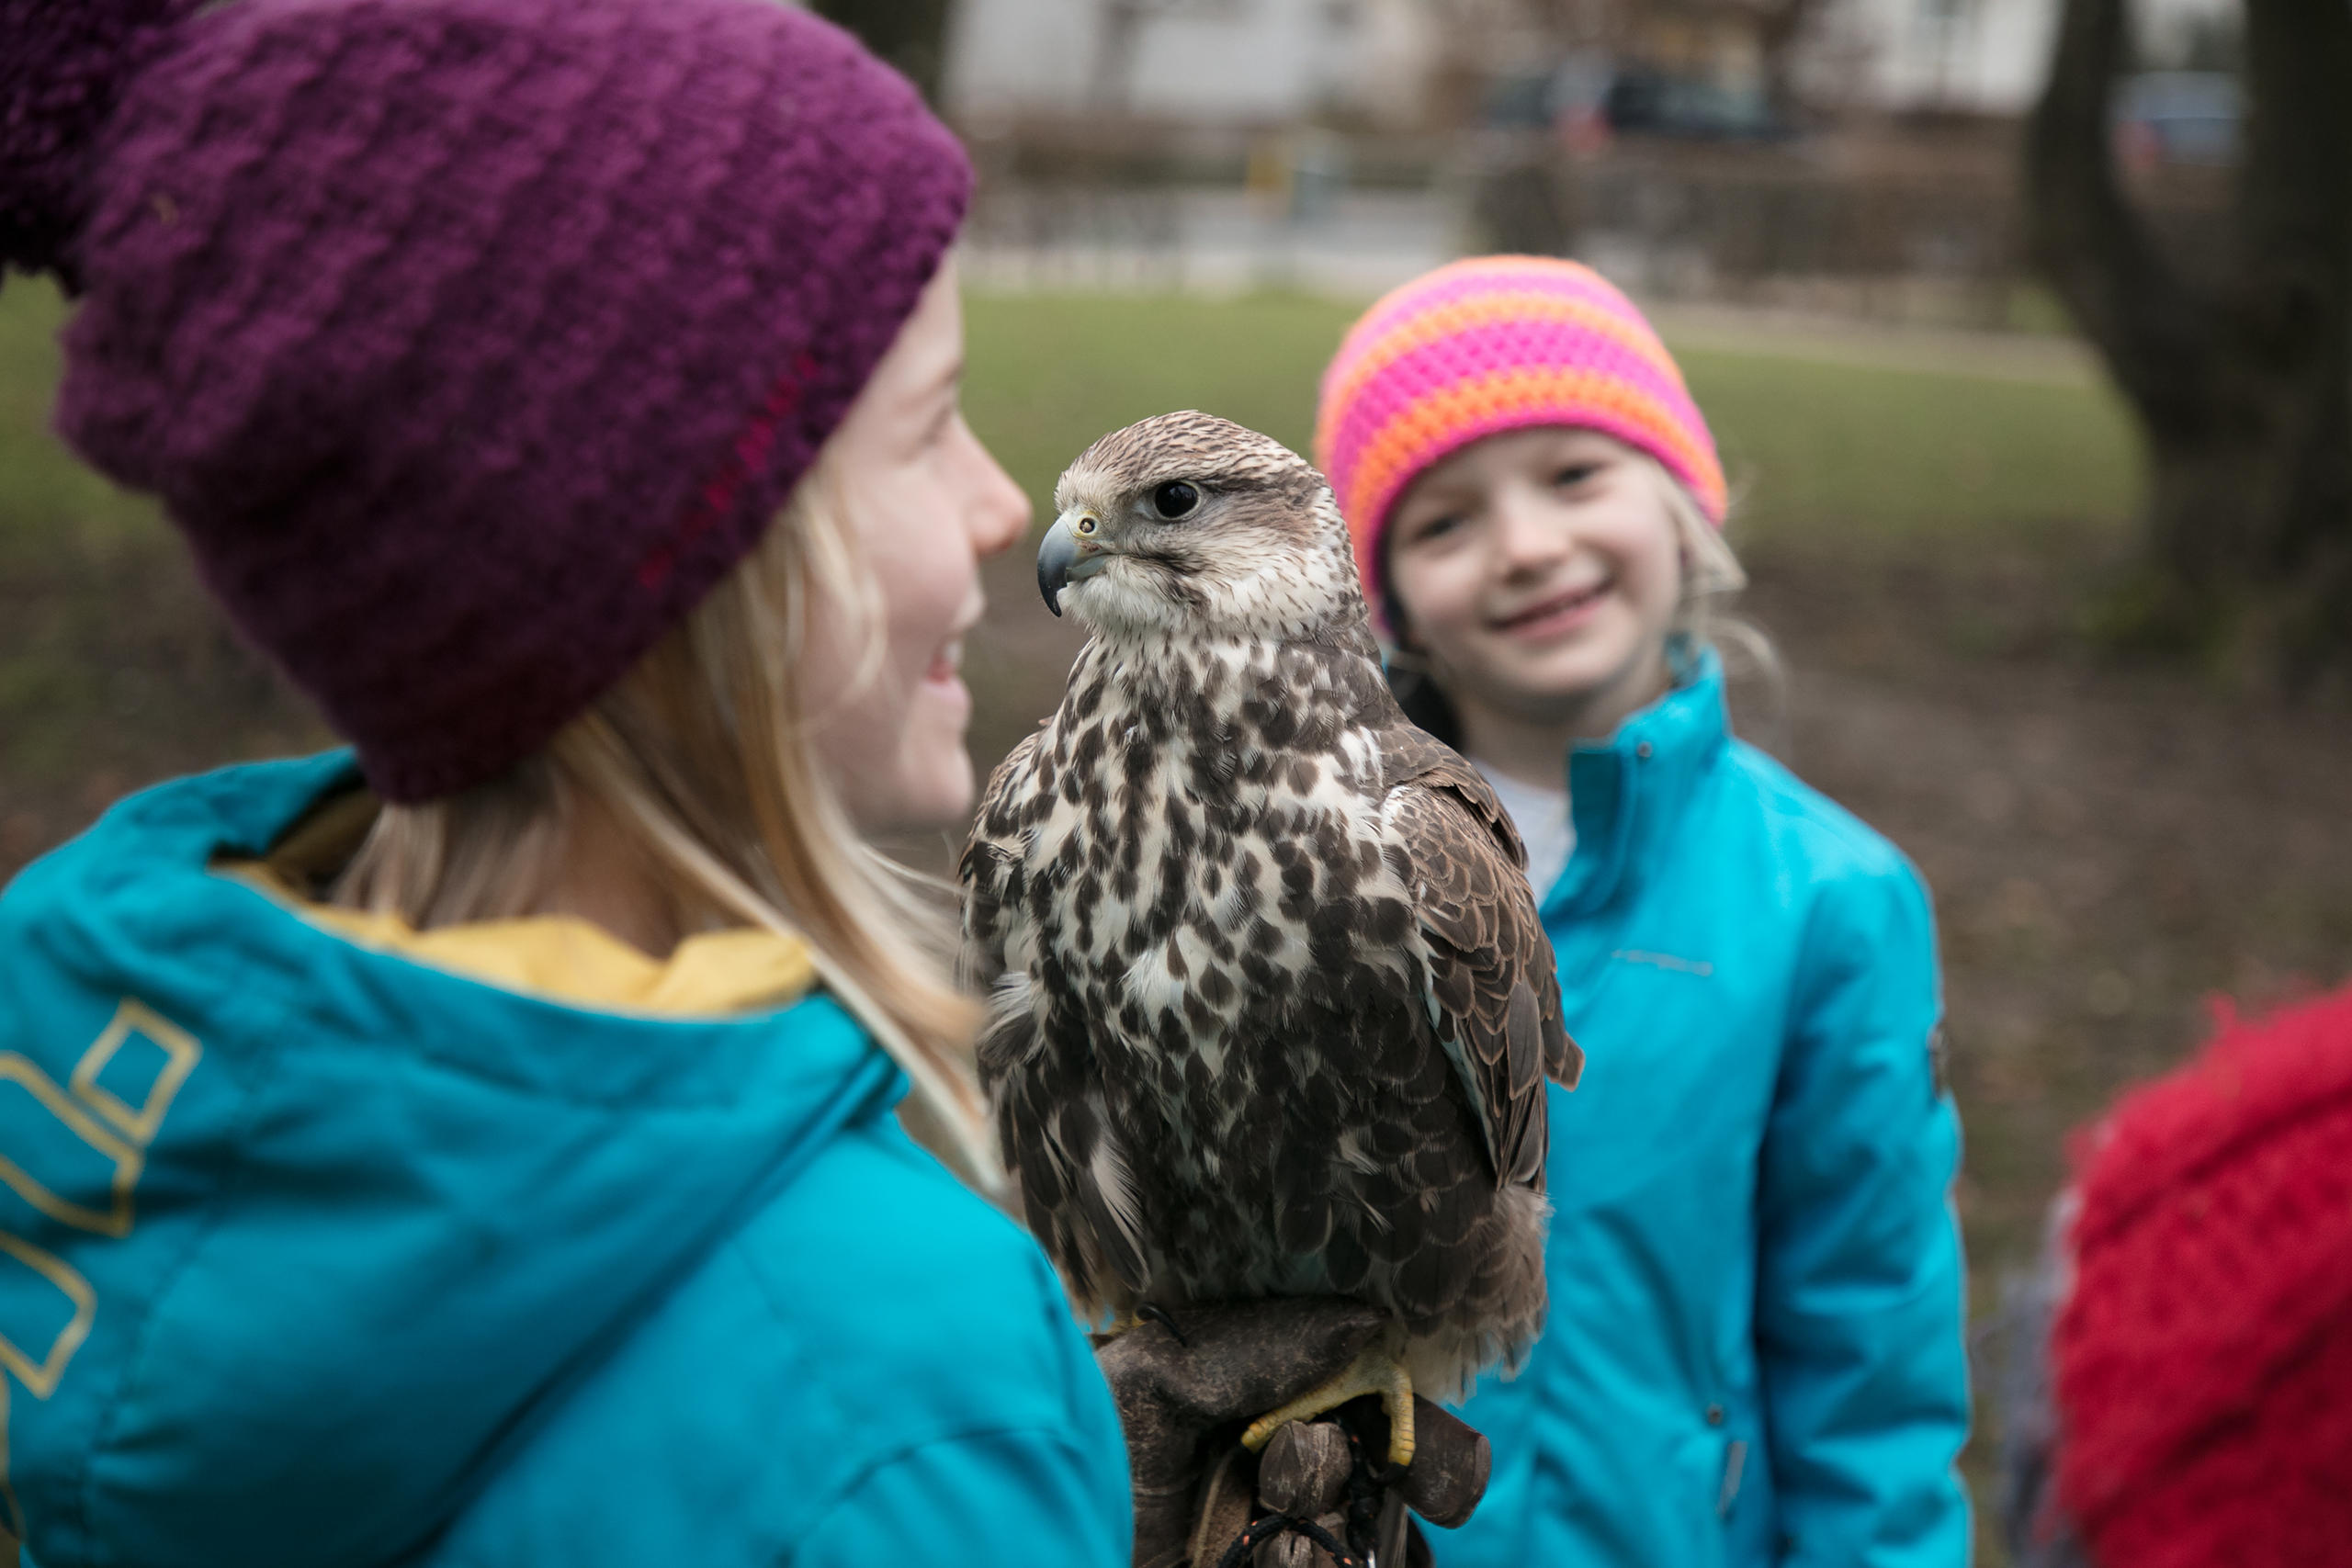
1815	451
1810	447
48	501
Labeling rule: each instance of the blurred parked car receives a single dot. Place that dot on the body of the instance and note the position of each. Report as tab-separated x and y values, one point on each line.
1592	98
2178	117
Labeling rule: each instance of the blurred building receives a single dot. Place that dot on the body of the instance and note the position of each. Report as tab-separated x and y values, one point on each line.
1251	63
1391	62
1951	56
1984	57
1835	156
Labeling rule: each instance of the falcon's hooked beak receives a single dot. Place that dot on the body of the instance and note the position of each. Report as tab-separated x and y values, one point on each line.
1071	552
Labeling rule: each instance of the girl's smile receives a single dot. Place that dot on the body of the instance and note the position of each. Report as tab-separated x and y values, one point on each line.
947	664
1557	614
942	680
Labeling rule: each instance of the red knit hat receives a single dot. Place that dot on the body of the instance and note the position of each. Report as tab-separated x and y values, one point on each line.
2203	1360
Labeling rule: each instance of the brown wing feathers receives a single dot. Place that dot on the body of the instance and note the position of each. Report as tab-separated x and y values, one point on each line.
1491	967
1071	1179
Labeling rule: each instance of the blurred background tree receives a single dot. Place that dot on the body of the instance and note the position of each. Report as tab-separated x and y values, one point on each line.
2240	369
910	34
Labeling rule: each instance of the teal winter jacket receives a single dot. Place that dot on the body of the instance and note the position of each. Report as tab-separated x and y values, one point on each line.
1754	1354
311	1255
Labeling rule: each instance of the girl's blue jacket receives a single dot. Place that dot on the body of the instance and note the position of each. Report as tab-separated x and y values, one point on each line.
311	1255
1754	1349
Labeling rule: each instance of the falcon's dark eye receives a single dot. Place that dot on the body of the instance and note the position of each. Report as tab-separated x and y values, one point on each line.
1175	499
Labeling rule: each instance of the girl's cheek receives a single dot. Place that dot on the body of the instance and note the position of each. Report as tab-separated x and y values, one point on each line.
1442	601
923	560
1410	572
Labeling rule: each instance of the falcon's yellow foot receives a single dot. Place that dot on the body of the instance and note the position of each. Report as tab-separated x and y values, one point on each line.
1127	1322
1379	1370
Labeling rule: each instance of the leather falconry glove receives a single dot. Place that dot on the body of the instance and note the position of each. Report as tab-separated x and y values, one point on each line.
1189	1382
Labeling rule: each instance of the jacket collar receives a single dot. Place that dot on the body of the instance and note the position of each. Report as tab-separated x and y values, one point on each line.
1625	793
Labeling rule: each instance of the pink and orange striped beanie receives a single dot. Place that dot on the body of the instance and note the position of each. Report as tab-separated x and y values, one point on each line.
1490	345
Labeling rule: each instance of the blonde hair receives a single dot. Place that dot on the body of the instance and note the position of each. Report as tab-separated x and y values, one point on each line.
1711	574
1712	578
701	756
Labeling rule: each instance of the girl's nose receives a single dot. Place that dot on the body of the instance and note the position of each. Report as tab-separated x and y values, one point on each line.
999	509
1526	535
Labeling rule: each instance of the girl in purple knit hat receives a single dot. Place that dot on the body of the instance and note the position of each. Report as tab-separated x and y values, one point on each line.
479	1146
1754	1354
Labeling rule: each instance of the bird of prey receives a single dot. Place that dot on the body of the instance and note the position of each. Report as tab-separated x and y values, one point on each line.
1270	1008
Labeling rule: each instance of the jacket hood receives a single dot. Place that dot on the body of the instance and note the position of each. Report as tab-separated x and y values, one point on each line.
298	1239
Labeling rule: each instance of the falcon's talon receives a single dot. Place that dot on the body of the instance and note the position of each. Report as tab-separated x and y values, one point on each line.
1378	1369
1128	1319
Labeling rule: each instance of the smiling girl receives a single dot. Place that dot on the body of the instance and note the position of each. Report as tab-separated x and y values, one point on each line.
1755	1351
477	1146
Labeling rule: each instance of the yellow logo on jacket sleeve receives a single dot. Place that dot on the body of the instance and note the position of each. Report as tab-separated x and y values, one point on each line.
112	1104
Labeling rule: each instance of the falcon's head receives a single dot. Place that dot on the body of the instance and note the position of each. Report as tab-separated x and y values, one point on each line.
1192	524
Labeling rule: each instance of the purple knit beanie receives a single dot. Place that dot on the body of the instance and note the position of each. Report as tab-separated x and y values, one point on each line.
470	342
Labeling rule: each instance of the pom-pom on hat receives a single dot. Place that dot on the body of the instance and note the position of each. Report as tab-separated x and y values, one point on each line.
2203	1360
65	64
469	341
1487	345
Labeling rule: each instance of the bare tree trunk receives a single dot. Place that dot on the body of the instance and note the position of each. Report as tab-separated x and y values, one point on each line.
1114	53
910	34
1777	28
2243	381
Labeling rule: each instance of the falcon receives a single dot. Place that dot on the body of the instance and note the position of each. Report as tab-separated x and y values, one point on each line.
1269	1007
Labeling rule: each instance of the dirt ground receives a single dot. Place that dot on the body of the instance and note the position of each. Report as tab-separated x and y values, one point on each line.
2110	846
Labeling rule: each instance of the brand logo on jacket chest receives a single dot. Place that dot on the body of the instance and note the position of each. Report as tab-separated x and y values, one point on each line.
1672	963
